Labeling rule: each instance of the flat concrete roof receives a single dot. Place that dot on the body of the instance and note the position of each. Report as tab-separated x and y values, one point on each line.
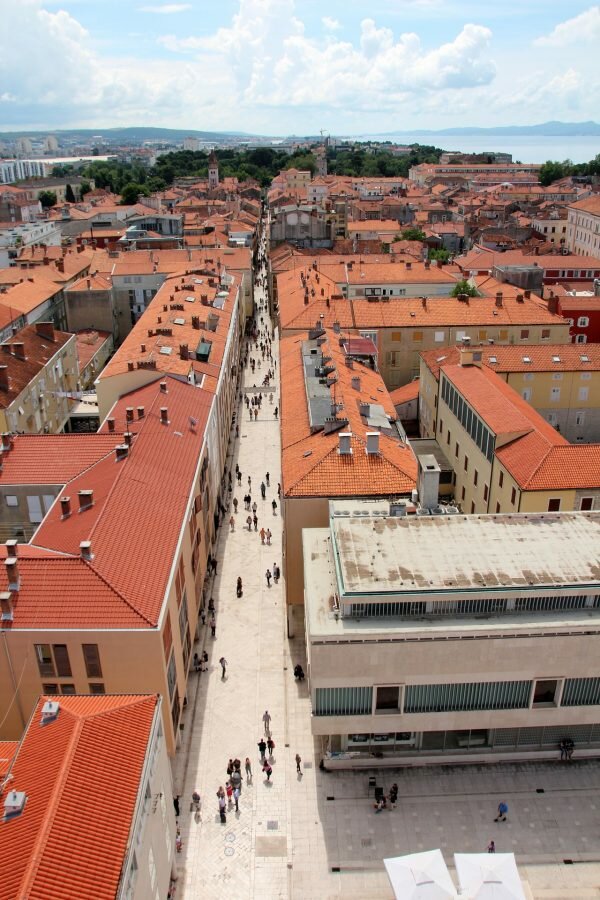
377	554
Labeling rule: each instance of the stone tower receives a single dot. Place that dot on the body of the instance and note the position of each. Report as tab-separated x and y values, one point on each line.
213	171
321	154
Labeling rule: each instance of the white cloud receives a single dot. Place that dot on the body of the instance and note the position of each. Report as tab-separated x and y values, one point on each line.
330	24
583	28
166	9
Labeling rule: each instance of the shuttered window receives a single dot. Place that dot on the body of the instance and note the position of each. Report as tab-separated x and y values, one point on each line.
581	692
428	698
344	701
91	658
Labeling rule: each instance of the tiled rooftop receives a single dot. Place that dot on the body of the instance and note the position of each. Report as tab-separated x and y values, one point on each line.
81	774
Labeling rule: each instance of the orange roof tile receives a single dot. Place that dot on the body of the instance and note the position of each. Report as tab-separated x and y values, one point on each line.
53	458
81	774
29	294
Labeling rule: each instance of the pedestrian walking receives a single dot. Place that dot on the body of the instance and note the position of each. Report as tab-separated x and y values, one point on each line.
196	801
254	507
235	504
276	573
274	505
279	491
229	789
298	761
491	847
256	410
236	779
263	534
270	745
239	478
223	663
267	721
203	616
263	490
213	627
223	809
267	770
236	799
248	767
262	748
255	520
502	811
176	804
268	576
276	411
231	524
269	535
268	479
249	523
393	795
214	565
250	482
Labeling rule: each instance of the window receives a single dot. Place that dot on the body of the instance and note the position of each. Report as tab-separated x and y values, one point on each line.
433	698
544	692
482	334
472	507
513	496
497	507
524	334
526	394
554	394
500	478
503	334
171	674
396	335
466	464
43	653
387	699
586	503
417	336
554	504
49	689
456	449
486	492
97	688
152	868
448	437
475	477
585	376
462	494
167	635
545	334
583	322
580	418
11	500
34	505
67	689
91	658
581	339
441	425
439	336
343	701
528	376
583	393
557	376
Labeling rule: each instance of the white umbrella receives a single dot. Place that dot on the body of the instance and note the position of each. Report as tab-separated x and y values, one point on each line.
420	876
488	876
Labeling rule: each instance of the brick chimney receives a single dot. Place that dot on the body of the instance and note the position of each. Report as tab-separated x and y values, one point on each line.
140	412
122	451
111	424
12	572
45	330
163	387
65	507
86	500
552	308
499	299
18	350
129	413
60	265
164	415
3	378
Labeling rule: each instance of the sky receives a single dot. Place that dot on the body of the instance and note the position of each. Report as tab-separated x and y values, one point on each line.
281	67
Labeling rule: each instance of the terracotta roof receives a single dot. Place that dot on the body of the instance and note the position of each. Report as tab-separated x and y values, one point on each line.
7	752
95	282
81	774
527	358
29	294
53	458
311	464
89	342
589	205
139	504
38	351
405	393
485	394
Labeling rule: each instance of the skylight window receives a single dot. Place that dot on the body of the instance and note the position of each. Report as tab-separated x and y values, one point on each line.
556	359
166	351
584	358
179	321
493	359
526	359
190	299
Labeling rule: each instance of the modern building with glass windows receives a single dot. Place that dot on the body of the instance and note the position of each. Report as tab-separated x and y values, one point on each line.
435	638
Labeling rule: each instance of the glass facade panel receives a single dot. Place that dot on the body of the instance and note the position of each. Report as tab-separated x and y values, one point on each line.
344	701
427	698
581	692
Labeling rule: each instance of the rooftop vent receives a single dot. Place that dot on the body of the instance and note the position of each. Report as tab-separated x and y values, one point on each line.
12	572
14	803
141	412
111	424
121	451
356	382
65	507
50	711
6	607
345	443
86	499
85	548
164	415
163	387
129	413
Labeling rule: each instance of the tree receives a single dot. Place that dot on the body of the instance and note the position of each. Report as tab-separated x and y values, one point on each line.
131	192
439	253
47	199
552	171
412	234
69	195
463	287
84	188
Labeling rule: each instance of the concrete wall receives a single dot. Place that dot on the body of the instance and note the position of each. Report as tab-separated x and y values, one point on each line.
91	309
298	514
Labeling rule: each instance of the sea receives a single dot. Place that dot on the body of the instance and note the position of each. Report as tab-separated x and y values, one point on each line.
524	148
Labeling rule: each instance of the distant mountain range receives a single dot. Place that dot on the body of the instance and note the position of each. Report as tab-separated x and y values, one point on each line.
546	129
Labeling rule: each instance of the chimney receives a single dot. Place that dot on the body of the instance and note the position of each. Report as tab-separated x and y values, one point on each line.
85	548
7	442
428	480
164	415
86	500
349	362
424	302
183	351
356	382
12	548
140	412
111	424
129	414
19	350
46	260
344	443
3	378
372	443
552	308
440	263
130	367
65	507
143	348
60	265
527	294
45	330
520	298
122	451
128	437
12	572
499	299
427	264
163	387
409	265
6	606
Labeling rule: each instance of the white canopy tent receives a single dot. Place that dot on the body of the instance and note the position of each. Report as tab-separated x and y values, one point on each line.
488	876
420	876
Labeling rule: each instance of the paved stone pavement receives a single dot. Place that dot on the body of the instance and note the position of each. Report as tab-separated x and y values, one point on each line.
291	835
